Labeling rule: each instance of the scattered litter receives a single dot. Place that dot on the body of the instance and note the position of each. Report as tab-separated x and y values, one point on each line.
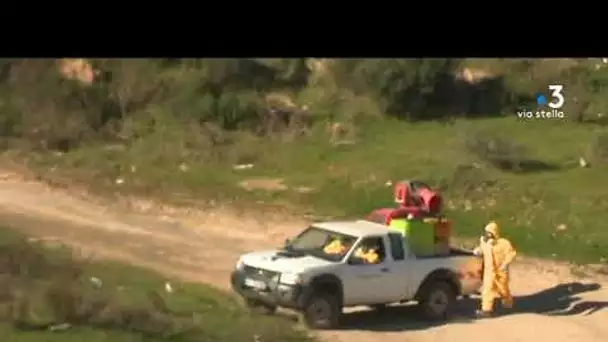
304	189
133	168
388	183
582	162
119	181
96	282
268	184
60	327
183	167
605	60
561	227
242	167
114	147
168	287
468	205
257	338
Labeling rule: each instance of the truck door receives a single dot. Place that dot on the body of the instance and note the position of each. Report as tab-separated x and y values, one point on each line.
368	283
400	270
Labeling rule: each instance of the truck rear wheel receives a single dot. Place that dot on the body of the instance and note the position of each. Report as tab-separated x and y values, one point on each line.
322	311
437	300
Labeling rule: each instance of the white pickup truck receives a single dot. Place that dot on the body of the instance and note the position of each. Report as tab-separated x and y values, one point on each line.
303	277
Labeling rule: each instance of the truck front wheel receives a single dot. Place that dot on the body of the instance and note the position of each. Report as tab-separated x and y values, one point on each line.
437	300
322	311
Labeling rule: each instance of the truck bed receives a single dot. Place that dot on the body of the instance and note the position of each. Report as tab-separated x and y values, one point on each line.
454	252
464	262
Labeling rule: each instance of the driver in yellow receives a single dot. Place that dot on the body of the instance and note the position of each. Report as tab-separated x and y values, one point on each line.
336	247
497	253
368	254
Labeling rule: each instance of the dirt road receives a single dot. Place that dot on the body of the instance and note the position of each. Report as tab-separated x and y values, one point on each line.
552	304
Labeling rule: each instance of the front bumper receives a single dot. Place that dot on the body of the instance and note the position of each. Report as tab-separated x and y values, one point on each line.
275	294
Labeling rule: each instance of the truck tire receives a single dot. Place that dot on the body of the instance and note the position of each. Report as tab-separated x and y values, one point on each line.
322	311
437	300
258	307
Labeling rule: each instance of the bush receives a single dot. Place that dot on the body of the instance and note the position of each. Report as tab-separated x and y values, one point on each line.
503	154
49	109
288	72
235	110
466	179
405	87
45	109
43	104
586	89
599	148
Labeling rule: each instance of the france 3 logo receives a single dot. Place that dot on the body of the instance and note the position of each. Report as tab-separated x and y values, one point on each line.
555	102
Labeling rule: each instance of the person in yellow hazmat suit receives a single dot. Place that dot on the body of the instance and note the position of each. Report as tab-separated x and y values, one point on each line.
497	253
369	255
336	247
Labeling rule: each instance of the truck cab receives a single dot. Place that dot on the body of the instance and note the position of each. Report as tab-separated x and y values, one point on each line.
304	276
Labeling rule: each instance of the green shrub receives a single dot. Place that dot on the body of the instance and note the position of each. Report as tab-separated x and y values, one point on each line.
599	148
496	150
585	92
47	111
404	87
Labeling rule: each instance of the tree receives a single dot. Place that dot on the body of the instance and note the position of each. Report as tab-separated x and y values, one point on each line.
404	87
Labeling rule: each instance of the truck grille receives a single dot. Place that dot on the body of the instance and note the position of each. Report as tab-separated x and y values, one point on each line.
258	272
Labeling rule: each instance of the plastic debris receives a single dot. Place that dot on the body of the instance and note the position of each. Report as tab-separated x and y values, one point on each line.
243	167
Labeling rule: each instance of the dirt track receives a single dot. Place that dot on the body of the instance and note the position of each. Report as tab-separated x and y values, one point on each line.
552	304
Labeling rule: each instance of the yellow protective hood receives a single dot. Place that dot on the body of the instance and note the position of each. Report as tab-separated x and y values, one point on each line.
493	228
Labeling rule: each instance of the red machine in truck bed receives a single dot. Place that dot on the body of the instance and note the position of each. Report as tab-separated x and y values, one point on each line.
413	197
422	207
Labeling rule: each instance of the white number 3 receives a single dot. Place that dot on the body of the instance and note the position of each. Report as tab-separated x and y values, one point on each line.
557	94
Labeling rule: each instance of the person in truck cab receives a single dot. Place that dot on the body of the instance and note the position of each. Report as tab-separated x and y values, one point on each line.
368	253
497	253
336	247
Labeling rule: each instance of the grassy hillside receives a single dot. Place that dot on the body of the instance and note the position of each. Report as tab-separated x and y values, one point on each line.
48	296
327	136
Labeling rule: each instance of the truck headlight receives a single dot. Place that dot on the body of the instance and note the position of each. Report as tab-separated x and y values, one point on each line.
290	279
240	265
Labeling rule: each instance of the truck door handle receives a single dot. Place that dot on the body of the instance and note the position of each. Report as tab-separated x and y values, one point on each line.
385	270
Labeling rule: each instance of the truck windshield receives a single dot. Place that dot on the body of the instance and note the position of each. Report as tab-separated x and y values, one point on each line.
322	243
